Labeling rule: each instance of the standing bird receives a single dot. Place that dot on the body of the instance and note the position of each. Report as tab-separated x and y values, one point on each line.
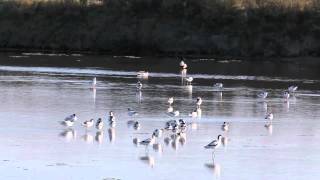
199	102
158	133
225	126
214	144
112	119
292	89
99	124
88	123
94	82
136	125
139	85
269	117
286	95
189	80
132	112
170	101
182	124
263	94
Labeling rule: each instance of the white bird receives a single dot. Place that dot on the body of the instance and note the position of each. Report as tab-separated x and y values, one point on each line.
158	133
263	94
292	89
225	126
94	82
142	74
173	113
214	144
269	117
170	100
189	80
199	102
183	65
132	112
218	85
286	95
149	141
99	136
99	124
88	123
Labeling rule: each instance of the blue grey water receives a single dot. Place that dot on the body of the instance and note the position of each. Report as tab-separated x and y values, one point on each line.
36	94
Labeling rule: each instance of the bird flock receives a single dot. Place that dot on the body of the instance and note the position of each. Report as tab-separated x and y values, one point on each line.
175	128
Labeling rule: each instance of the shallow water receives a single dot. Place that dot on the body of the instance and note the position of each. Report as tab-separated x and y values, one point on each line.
36	94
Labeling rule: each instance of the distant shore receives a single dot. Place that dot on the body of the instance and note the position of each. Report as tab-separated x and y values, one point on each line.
148	28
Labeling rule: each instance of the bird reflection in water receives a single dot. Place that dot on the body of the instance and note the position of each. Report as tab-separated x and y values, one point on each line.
183	76
269	127
94	94
139	96
88	138
99	137
69	134
194	126
214	167
224	141
148	159
157	148
112	134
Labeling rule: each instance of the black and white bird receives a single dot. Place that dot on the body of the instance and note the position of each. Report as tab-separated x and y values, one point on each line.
88	123
286	95
136	125
263	95
183	65
182	124
149	141
99	124
225	126
158	133
111	119
269	116
214	144
69	120
170	100
199	102
139	85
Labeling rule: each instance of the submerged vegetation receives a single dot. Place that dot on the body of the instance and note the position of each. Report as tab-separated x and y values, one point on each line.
213	27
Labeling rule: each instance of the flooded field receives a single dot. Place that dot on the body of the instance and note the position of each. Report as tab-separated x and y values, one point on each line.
37	91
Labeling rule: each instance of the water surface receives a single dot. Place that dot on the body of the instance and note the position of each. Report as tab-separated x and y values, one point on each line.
39	90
